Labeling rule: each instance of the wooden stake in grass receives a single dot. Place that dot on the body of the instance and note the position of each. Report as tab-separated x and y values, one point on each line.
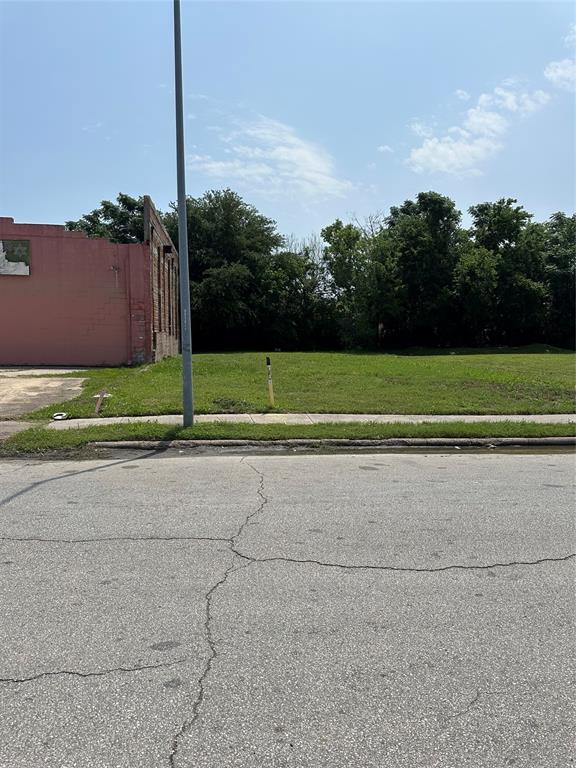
99	397
270	384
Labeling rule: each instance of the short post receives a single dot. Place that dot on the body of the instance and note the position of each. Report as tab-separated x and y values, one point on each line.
270	384
99	397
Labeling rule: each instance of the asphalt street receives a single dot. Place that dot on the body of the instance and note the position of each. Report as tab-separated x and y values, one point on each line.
360	611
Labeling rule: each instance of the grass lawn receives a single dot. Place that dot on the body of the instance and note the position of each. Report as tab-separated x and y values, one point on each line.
41	440
529	380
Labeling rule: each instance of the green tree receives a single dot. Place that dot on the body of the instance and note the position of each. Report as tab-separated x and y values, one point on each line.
425	235
344	256
475	294
413	277
497	226
363	270
506	230
345	262
293	308
246	290
380	291
224	229
221	306
560	256
120	222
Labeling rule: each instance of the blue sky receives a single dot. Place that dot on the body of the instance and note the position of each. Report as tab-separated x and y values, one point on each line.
311	111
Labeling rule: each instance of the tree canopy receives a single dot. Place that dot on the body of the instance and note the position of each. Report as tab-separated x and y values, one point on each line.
415	277
120	222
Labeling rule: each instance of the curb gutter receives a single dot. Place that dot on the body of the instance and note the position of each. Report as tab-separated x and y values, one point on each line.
393	442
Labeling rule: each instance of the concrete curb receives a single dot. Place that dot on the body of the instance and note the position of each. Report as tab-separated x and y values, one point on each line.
393	442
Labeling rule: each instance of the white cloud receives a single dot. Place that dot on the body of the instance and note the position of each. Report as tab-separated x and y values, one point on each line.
463	95
384	148
268	156
463	148
484	122
421	129
452	155
522	103
232	169
562	74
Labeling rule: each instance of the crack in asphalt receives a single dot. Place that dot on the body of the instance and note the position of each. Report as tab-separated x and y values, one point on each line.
114	538
474	700
188	724
249	560
100	673
469	706
259	510
403	569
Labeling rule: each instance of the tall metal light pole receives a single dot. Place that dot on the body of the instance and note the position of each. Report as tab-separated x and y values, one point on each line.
185	323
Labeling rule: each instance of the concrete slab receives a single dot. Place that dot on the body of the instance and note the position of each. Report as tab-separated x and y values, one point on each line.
299	418
361	418
9	428
224	418
21	394
272	418
8	372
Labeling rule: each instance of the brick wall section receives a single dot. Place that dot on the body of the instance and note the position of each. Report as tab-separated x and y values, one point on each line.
165	319
88	301
85	302
140	308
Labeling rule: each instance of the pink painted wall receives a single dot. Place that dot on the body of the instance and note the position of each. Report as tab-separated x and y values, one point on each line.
85	302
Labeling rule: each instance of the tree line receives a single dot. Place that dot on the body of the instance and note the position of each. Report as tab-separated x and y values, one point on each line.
412	277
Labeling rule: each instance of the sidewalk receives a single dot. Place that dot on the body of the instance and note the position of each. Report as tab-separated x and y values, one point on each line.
316	418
